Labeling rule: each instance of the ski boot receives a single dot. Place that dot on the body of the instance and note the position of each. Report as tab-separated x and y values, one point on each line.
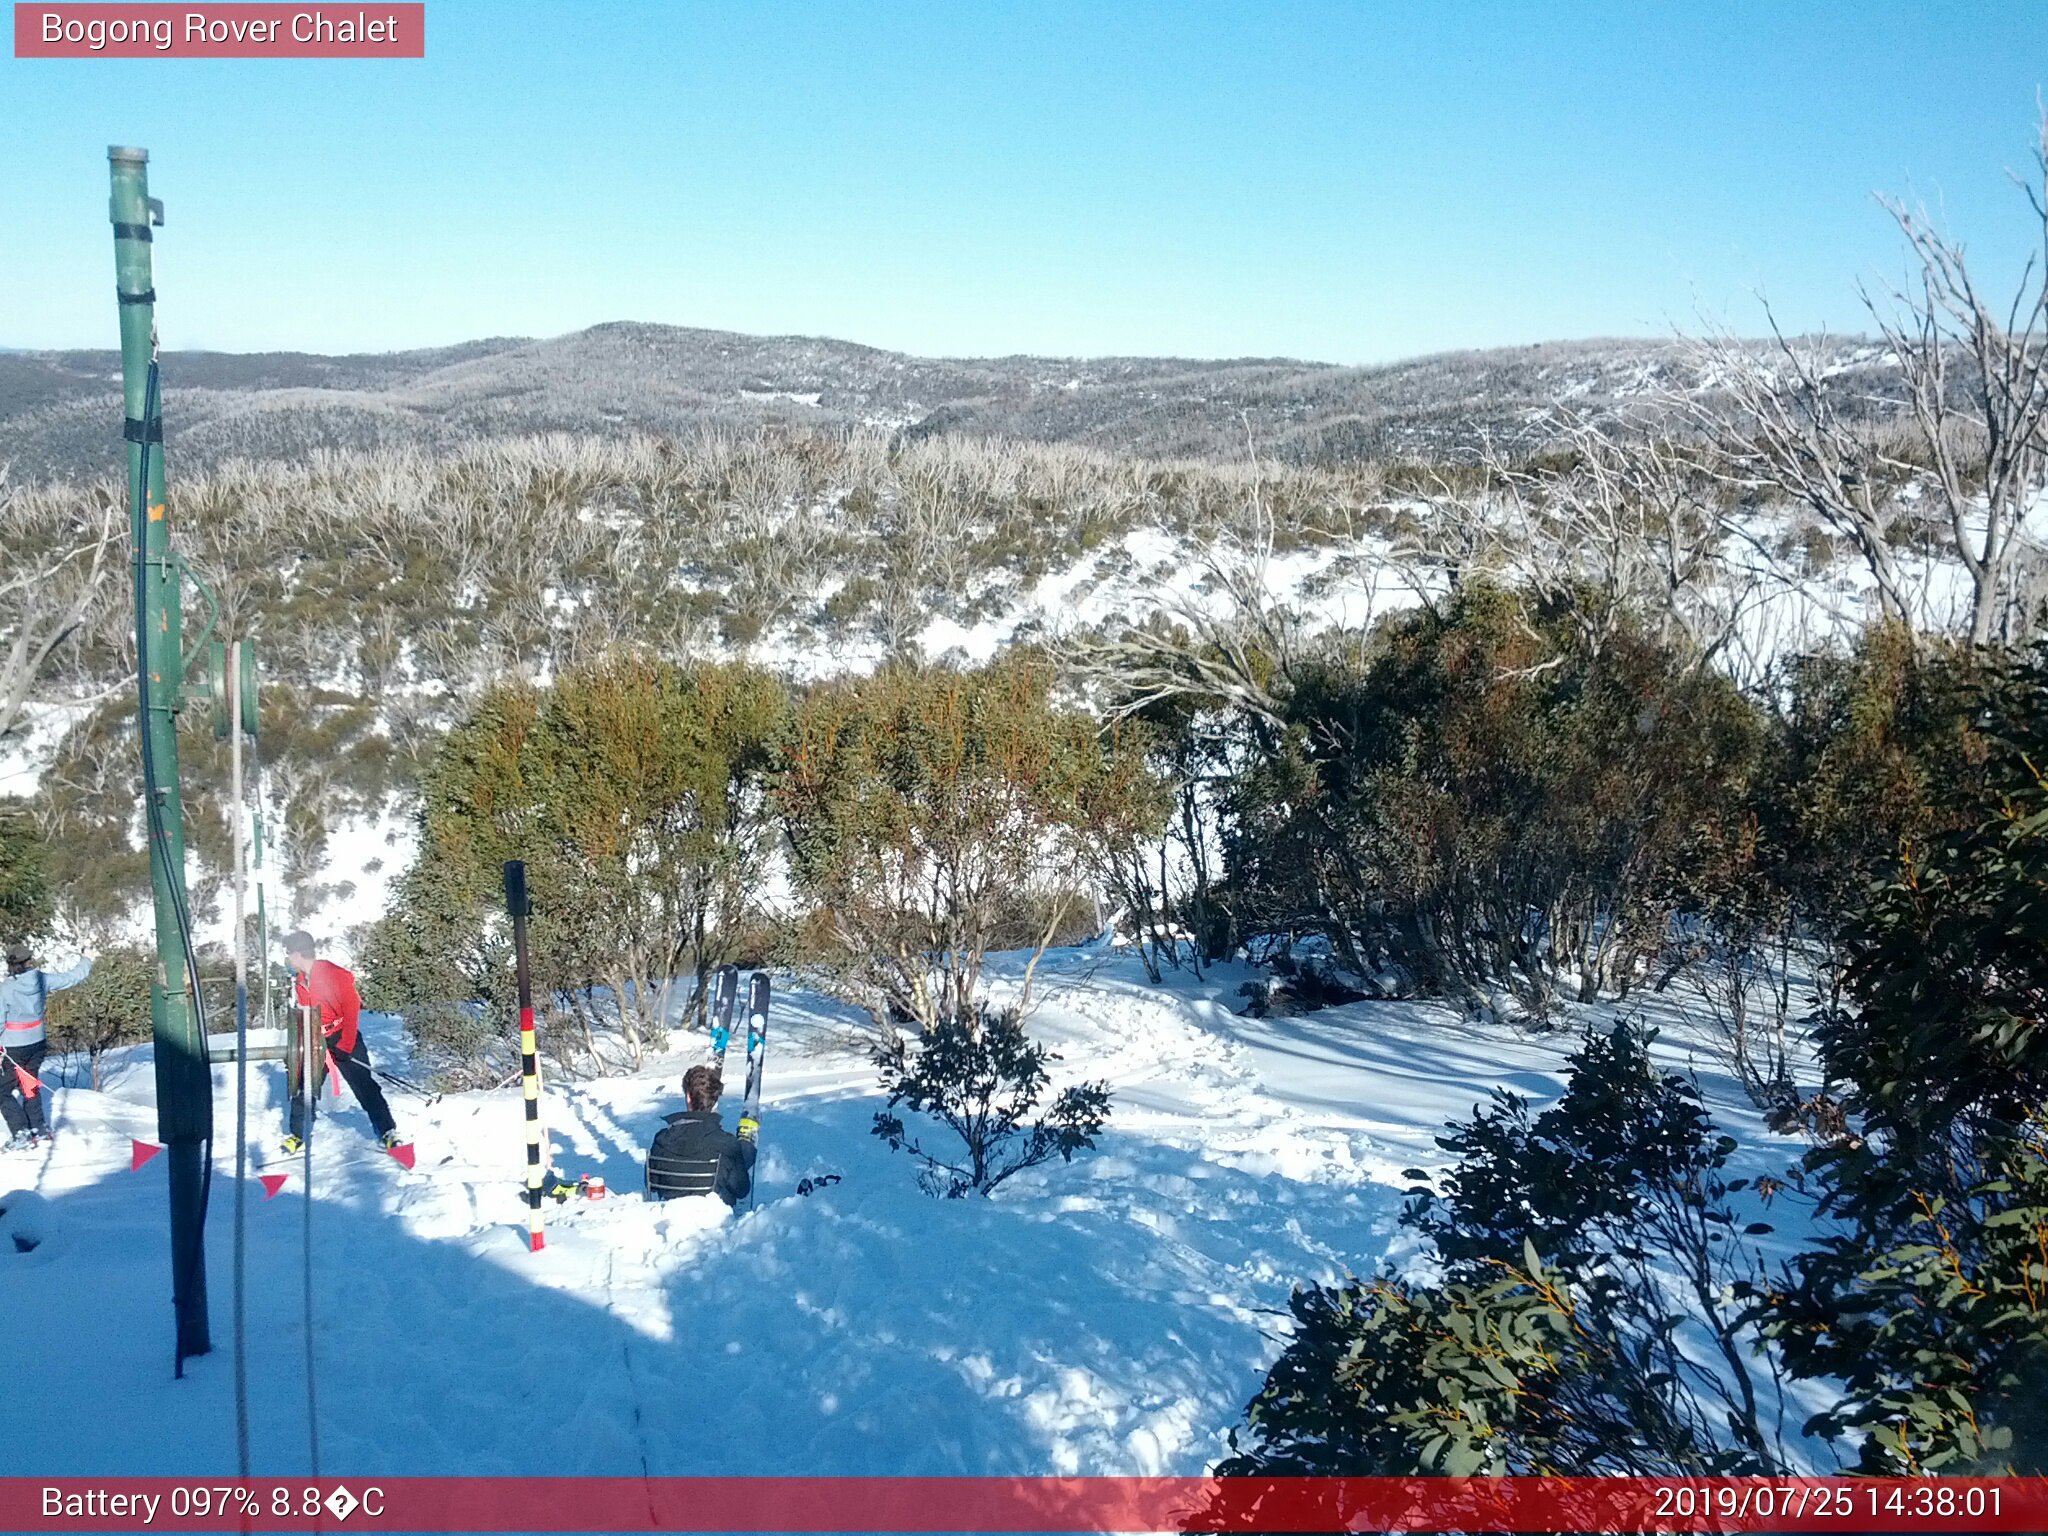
292	1146
391	1139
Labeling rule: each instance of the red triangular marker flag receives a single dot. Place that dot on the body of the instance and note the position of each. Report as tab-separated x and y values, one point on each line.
272	1183
403	1152
143	1152
29	1082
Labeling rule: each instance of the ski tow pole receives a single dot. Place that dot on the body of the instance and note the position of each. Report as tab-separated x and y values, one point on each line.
529	1053
311	1045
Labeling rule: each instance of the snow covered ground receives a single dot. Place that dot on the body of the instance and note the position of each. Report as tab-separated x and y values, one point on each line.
1112	1316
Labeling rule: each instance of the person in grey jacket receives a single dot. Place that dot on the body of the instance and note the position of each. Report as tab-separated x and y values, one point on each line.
24	993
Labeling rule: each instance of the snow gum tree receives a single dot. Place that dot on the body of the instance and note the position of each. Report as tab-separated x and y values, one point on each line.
1929	1298
1572	1245
1597	1308
110	1008
61	553
1882	748
1972	448
1483	798
635	792
986	1082
922	804
26	902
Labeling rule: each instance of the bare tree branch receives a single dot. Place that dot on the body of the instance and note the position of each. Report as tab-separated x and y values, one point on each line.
1977	387
51	586
1783	430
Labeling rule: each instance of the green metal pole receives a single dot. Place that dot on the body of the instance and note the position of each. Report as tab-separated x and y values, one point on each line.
184	1079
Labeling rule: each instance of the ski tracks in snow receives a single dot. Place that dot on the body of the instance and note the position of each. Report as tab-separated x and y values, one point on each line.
1182	1078
1109	1315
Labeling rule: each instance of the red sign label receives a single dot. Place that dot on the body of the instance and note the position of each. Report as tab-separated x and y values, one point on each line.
241	31
1019	1504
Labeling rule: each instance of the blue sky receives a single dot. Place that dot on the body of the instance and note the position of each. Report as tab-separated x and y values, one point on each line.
1350	182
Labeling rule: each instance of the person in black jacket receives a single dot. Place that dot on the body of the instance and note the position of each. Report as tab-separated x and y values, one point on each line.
694	1154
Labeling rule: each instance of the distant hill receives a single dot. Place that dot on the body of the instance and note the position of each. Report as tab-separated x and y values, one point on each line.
60	411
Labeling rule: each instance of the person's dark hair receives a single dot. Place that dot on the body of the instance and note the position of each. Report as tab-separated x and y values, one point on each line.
702	1086
299	942
19	958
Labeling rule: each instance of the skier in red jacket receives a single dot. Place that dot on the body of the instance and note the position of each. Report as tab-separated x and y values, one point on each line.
324	985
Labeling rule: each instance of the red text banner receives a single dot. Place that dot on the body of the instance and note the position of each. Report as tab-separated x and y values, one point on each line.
237	31
996	1504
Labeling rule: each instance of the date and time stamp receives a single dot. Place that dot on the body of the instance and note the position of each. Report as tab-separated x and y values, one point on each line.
1933	1500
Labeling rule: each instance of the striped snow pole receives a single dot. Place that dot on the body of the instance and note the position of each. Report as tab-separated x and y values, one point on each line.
529	1053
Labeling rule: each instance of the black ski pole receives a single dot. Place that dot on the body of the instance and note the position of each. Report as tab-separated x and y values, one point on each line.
431	1095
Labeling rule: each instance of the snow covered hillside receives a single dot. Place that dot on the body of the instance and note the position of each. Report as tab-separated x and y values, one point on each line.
1112	1316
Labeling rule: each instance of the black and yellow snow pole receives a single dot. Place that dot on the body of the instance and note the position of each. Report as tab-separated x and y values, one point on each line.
529	1051
184	1079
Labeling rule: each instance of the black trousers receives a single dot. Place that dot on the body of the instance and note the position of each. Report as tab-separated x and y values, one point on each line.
354	1067
30	1059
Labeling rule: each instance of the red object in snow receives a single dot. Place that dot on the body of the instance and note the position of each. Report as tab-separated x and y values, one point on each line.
142	1153
272	1183
403	1152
